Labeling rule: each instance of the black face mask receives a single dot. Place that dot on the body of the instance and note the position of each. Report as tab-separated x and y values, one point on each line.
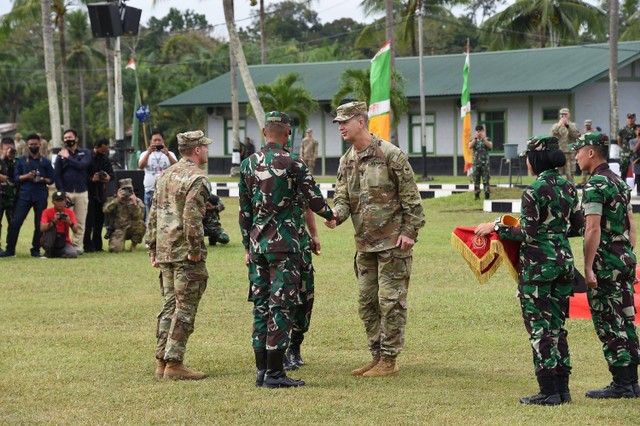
34	149
69	144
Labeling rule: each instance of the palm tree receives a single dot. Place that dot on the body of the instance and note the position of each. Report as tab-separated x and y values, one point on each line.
552	22
287	95
355	84
50	72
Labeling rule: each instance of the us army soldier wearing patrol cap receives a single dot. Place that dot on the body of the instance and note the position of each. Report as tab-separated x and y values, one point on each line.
377	188
125	214
175	240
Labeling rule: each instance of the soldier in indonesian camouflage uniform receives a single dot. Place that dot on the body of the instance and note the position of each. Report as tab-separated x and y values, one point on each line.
550	214
566	132
212	227
610	265
126	215
480	147
270	180
377	188
175	240
624	136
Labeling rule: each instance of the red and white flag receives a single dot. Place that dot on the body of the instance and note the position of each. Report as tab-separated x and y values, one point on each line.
131	65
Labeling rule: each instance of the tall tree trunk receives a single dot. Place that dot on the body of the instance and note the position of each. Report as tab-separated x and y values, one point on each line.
263	38
236	46
64	80
50	73
83	124
108	54
235	115
613	70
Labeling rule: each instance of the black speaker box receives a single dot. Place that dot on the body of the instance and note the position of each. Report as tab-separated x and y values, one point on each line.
131	20
105	20
137	178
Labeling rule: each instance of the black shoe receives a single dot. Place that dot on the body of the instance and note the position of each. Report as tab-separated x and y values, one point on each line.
261	365
542	399
35	253
275	377
289	362
613	391
562	386
1	251
293	354
486	196
636	389
477	197
7	254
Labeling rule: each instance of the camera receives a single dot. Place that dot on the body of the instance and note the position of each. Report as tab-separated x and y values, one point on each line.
63	215
36	175
70	203
103	175
128	192
12	151
108	232
159	147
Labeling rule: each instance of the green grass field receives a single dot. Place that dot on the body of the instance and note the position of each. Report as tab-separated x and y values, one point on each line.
78	343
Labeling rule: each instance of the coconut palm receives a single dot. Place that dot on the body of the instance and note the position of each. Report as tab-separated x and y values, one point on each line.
545	22
50	72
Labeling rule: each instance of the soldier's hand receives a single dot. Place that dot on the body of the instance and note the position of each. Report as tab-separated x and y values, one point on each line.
331	224
590	278
153	261
315	245
246	258
405	243
195	259
484	229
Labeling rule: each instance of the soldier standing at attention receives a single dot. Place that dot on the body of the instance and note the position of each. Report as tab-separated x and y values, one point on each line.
610	265
126	213
624	136
566	132
175	240
270	180
309	151
377	188
550	214
480	146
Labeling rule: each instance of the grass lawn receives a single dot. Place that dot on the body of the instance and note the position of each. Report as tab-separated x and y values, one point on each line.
78	343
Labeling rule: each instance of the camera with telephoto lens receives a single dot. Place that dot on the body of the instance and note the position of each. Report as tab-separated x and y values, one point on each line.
108	231
36	176
103	175
128	192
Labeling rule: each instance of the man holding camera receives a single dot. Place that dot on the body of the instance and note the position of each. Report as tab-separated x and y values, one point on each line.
34	173
126	216
566	132
55	224
72	177
7	187
100	173
155	160
212	226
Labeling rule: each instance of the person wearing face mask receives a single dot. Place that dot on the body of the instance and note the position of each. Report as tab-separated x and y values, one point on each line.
34	173
7	186
100	174
72	177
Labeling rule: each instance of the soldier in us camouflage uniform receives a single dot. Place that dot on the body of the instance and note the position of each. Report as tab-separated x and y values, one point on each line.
610	265
550	214
624	136
270	180
566	131
377	188
126	215
212	227
480	147
175	240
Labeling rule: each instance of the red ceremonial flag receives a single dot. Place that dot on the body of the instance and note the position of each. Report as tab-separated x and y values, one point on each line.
131	65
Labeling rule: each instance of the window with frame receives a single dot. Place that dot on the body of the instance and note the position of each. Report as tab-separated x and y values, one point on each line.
550	114
228	134
415	141
494	123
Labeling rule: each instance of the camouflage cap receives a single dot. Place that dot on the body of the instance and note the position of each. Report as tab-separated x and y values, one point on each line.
631	115
540	143
592	139
193	138
588	121
564	111
348	111
58	196
277	117
125	183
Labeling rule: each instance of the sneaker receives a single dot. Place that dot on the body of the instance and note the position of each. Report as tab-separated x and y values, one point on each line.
35	253
7	254
80	252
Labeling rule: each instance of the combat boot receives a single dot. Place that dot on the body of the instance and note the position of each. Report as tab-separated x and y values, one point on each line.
360	371
288	362
548	394
385	367
275	377
160	369
620	387
562	386
633	370
178	371
261	365
294	349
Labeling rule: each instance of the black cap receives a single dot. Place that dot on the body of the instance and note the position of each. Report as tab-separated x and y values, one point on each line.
58	195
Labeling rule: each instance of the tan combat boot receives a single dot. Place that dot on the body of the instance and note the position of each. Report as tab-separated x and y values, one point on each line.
177	371
360	371
386	367
160	369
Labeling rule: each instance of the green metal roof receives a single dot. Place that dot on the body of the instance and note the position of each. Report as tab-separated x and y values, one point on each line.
561	69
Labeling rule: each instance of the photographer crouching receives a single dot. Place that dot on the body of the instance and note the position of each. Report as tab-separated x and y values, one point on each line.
55	224
125	214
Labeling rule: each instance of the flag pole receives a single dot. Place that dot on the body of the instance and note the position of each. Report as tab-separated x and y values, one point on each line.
423	126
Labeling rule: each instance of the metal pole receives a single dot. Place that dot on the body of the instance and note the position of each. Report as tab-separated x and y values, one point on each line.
119	101
423	129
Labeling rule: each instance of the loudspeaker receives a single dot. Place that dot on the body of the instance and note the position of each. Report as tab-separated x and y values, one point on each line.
137	178
131	20
105	19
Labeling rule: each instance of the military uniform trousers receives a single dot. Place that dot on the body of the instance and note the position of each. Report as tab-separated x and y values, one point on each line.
216	233
302	312
481	171
135	233
383	284
274	291
545	307
613	313
625	160
182	285
570	166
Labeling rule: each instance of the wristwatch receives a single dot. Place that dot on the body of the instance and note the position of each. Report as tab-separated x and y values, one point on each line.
497	227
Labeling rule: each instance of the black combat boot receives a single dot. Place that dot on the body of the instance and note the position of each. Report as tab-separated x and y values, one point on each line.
261	364
289	363
562	386
621	387
477	197
275	376
548	394
486	196
294	349
633	368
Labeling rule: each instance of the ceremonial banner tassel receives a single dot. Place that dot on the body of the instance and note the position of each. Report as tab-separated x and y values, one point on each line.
380	102
465	114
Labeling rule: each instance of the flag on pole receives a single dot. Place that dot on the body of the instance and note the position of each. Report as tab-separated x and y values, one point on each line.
131	65
380	102
465	114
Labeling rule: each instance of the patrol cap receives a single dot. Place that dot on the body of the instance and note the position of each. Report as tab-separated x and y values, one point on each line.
193	138
277	117
540	143
58	196
125	183
564	111
348	111
592	139
309	130
588	121
631	115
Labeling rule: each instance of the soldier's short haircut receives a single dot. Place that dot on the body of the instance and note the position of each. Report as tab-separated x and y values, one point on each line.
185	150
365	117
275	127
33	136
601	151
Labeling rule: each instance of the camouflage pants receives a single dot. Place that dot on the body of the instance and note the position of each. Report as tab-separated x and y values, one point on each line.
481	171
182	284
613	313
274	279
135	233
570	166
545	307
625	160
217	235
301	317
383	284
